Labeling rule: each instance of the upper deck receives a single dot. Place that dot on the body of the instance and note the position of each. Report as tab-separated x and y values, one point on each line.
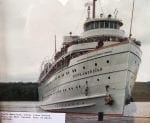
103	26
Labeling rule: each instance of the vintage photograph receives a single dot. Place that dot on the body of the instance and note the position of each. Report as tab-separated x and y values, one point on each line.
79	58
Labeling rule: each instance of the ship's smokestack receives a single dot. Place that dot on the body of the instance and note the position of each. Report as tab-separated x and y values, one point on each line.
94	6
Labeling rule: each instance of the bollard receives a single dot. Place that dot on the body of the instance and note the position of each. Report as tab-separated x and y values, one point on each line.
100	116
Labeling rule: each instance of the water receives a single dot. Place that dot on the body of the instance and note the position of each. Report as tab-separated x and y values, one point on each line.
134	113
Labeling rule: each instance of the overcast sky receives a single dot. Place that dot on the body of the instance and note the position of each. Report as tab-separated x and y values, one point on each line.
27	29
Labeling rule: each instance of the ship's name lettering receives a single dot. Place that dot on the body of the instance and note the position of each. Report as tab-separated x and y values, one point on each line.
87	72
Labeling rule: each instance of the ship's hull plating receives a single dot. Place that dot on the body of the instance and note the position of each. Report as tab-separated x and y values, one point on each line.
81	87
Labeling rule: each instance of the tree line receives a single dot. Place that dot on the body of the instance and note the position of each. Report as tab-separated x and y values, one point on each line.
19	91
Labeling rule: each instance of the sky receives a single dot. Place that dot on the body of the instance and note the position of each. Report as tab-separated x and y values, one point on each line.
27	29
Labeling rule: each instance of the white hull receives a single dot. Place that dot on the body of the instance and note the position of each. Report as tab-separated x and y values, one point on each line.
116	66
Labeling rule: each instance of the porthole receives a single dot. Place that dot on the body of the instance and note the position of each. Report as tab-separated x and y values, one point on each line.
97	79
107	61
83	67
67	73
109	77
95	64
79	86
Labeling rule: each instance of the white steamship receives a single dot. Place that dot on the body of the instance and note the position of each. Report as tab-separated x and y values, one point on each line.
94	72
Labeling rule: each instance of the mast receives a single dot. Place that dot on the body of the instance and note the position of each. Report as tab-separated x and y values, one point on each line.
89	12
94	6
130	34
88	5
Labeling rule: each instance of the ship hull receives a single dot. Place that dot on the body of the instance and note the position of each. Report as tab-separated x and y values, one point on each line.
82	86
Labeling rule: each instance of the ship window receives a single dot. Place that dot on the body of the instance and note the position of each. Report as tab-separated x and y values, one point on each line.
106	24
83	67
86	27
102	24
111	24
96	25
115	25
62	74
109	77
97	79
79	86
92	25
101	69
95	64
67	73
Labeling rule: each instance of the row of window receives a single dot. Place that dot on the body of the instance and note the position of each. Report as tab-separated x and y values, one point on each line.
74	70
69	104
64	90
72	88
69	89
101	24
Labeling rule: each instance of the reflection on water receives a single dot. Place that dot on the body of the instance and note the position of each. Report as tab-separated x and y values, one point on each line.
138	109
